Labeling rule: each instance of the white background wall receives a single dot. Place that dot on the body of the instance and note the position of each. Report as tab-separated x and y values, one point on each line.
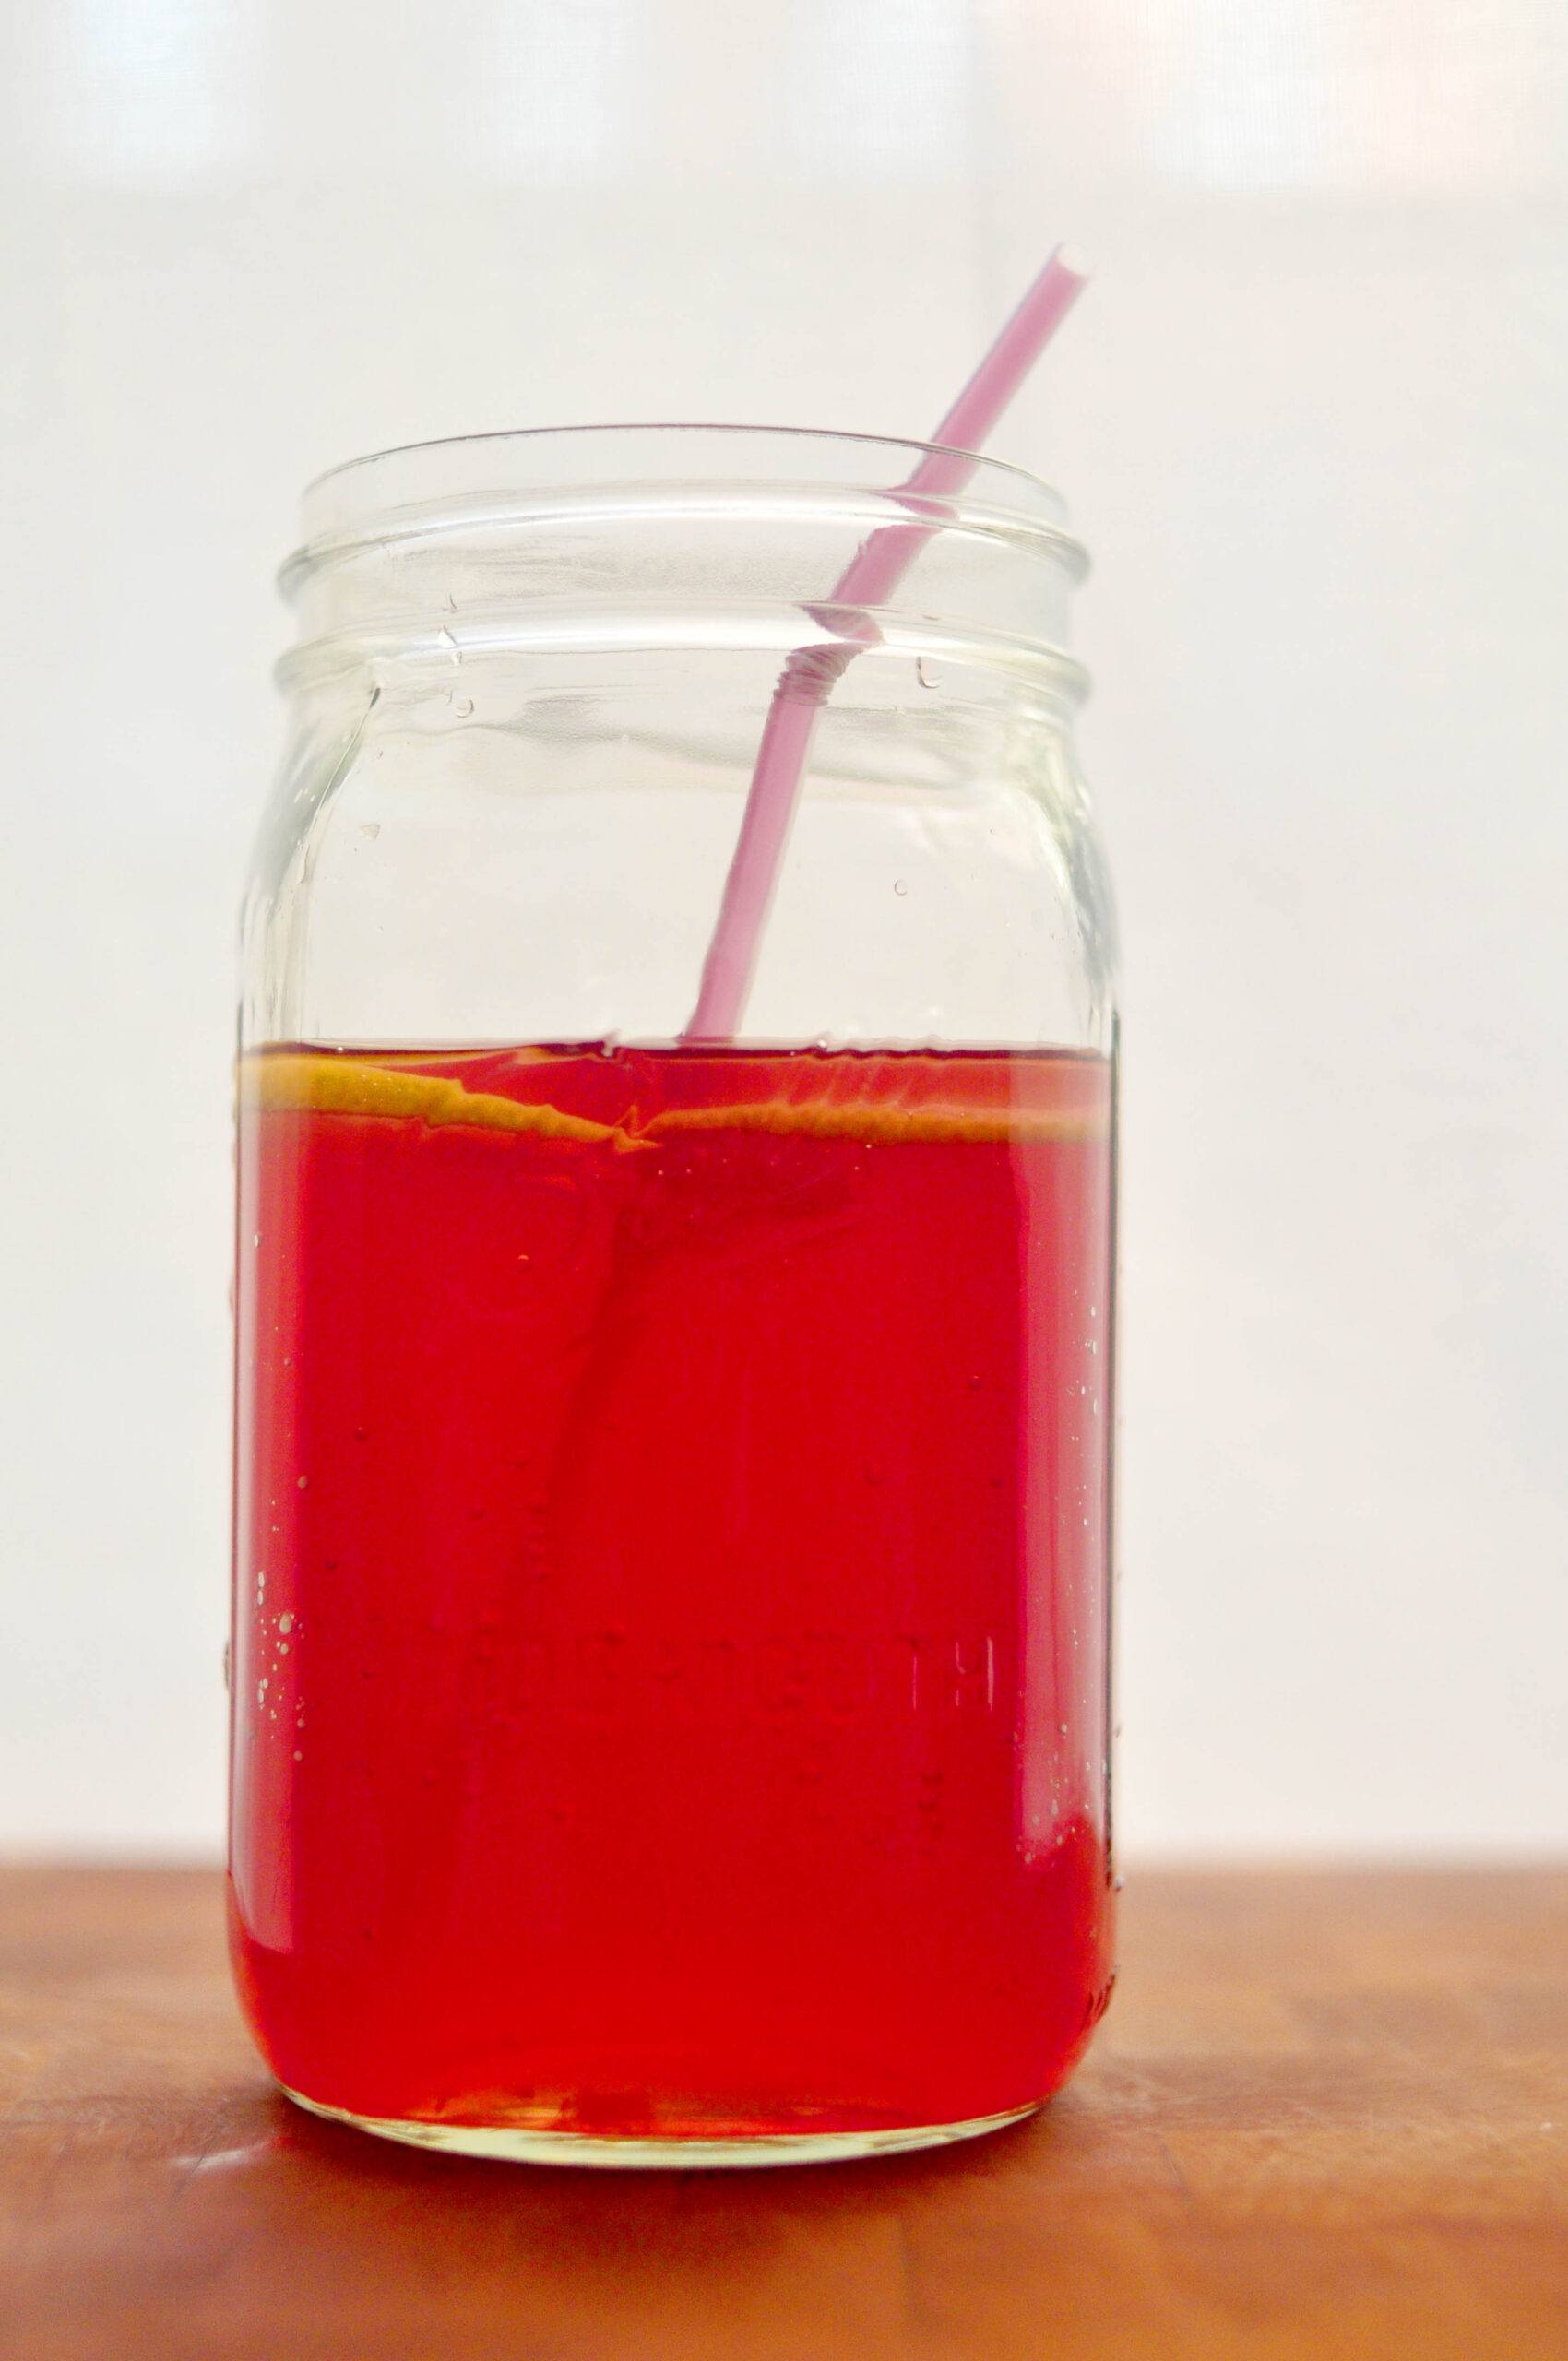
1310	417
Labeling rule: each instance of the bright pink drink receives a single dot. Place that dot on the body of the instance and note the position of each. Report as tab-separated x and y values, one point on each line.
670	1675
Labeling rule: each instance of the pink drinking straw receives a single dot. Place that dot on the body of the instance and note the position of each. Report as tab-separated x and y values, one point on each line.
808	678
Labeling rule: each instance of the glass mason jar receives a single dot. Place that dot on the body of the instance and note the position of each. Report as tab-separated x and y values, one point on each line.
673	1474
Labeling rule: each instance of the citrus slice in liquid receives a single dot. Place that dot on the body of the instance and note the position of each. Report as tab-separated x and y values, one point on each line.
853	1094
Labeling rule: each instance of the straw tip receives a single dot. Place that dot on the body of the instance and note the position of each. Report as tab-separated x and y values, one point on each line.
1068	265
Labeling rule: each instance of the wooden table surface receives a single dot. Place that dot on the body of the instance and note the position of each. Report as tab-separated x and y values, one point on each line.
1327	2116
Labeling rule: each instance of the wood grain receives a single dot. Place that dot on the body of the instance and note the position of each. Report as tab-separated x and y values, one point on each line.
1327	2116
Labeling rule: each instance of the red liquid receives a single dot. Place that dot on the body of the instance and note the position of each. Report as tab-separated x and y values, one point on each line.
669	1641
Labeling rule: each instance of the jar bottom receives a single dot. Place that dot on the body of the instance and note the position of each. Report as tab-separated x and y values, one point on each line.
509	2144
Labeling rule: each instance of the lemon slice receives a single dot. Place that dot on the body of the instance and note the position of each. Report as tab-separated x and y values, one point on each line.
875	1121
355	1087
870	1100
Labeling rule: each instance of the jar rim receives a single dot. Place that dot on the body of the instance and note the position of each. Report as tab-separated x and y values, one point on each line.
346	501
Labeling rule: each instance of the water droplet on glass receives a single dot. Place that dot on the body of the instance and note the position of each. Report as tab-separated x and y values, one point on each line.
925	672
285	1622
303	1482
874	1472
975	1382
900	886
463	707
447	642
